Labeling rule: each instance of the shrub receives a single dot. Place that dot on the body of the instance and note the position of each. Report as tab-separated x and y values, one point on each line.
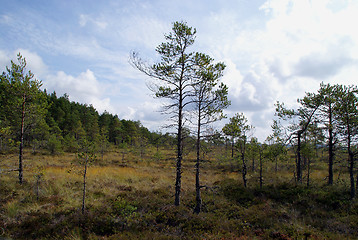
54	145
236	192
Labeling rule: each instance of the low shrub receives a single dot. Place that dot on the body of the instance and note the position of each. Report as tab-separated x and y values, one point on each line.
236	192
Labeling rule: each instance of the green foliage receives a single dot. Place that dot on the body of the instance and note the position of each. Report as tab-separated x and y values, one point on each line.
158	156
275	150
23	103
7	143
238	128
122	208
54	145
23	106
233	128
87	153
70	143
237	193
21	95
73	122
329	114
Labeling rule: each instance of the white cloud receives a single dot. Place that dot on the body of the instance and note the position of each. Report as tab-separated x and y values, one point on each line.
232	78
102	104
83	20
84	88
147	112
97	22
298	45
85	84
34	62
253	93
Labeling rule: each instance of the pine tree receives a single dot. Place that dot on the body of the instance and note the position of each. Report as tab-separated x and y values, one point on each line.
25	103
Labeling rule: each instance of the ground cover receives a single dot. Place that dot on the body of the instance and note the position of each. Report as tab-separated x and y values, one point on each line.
132	197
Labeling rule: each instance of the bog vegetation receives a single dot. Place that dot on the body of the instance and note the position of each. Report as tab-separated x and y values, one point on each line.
68	172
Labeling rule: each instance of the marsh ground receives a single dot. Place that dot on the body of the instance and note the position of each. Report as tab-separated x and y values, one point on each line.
131	197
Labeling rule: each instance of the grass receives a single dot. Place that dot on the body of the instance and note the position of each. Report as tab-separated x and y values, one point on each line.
133	199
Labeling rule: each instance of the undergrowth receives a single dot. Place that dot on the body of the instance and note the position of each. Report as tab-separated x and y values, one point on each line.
135	201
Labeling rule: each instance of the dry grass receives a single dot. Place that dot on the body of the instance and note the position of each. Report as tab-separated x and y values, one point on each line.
132	198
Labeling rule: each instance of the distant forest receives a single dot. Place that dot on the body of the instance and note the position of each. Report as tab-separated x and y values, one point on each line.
66	123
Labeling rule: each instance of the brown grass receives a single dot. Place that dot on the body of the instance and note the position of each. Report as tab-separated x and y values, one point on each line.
133	199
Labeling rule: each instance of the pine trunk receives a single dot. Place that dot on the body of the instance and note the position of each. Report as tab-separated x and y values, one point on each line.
22	140
299	170
351	174
308	171
253	164
351	162
197	171
37	187
330	149
232	148
244	167
179	152
261	180
84	187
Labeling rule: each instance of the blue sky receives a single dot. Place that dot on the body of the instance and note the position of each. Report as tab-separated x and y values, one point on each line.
273	49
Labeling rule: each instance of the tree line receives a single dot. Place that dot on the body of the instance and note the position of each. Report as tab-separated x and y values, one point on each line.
32	118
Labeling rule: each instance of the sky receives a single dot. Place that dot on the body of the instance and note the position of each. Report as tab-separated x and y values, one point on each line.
274	50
